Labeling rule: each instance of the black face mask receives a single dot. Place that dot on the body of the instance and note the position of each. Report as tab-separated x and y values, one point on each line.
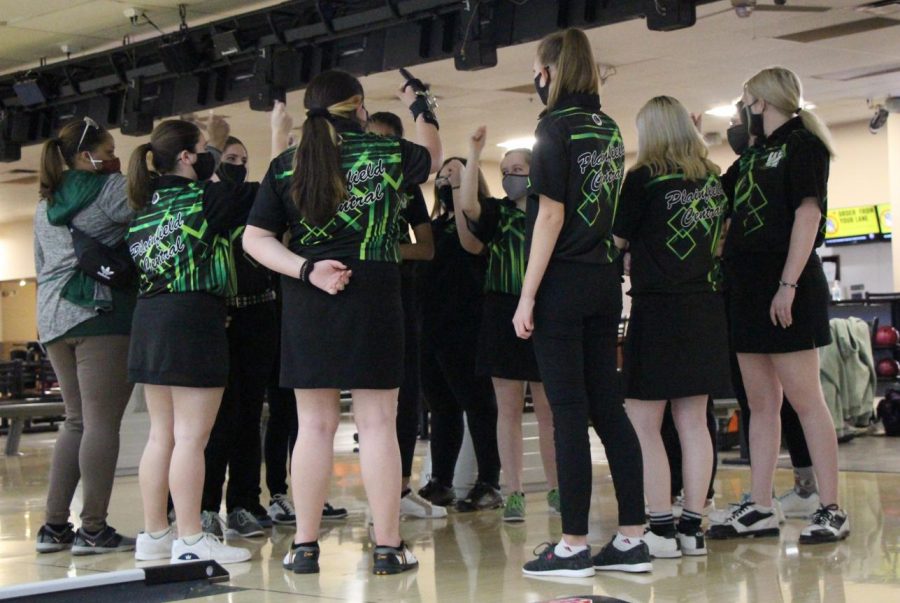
738	138
205	166
754	123
445	196
232	173
542	91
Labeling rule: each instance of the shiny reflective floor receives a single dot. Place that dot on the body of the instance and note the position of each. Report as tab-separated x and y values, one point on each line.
476	557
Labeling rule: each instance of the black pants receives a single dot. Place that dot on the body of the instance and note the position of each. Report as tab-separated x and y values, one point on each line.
576	320
451	389
673	448
281	434
234	443
409	398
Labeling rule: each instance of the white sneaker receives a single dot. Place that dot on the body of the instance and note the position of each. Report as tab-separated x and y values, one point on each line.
746	521
795	506
828	525
662	547
148	548
692	545
720	516
413	505
208	547
282	511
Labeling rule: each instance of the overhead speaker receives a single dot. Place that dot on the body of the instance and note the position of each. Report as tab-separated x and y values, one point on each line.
669	15
135	123
477	48
10	151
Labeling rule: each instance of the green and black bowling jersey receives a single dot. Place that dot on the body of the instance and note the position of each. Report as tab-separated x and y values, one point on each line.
674	226
413	213
501	228
579	160
366	226
766	186
180	241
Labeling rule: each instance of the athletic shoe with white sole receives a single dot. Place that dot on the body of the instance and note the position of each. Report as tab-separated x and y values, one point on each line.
329	512
722	515
208	547
747	521
281	510
548	563
106	540
50	540
662	547
148	548
302	559
797	507
243	523
212	523
389	560
482	496
692	545
413	505
635	560
829	524
514	509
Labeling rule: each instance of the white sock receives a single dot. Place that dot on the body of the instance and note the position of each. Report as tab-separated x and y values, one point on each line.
192	540
626	543
564	549
160	534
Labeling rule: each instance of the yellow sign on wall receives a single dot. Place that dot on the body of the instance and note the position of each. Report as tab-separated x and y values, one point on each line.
851	222
885	218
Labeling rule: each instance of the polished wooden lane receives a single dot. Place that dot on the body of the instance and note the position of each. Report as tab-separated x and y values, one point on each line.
476	557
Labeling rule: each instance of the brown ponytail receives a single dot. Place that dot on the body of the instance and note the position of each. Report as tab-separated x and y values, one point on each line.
576	71
318	185
167	141
59	153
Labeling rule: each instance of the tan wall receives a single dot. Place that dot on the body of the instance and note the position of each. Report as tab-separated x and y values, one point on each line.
17	250
18	310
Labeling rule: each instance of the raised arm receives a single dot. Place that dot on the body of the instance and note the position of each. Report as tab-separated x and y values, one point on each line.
426	130
469	208
281	123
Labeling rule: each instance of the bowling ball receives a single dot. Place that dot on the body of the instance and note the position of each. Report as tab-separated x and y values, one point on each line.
888	367
886	336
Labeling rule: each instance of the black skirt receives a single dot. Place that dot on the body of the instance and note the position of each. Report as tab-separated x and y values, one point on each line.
500	352
752	282
179	339
676	347
352	340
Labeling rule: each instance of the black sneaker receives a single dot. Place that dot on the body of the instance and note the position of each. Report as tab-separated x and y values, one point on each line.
302	559
746	521
261	515
829	524
437	493
52	541
548	563
635	560
106	540
393	560
481	496
329	512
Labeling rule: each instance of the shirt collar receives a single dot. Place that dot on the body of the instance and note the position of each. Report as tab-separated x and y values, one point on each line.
172	180
785	130
579	99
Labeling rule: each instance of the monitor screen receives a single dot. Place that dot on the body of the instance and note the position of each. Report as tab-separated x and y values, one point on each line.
885	220
852	225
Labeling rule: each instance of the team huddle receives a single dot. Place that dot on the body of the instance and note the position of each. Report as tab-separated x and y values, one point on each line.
309	283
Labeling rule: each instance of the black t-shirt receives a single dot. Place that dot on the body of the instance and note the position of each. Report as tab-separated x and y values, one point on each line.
366	226
673	226
766	185
414	212
451	285
579	160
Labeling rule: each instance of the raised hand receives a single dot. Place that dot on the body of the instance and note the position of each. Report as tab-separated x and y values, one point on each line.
280	120
477	141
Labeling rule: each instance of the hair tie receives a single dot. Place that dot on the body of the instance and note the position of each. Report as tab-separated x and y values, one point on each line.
318	112
798	110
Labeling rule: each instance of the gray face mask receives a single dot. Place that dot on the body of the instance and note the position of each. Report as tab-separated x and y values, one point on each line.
515	186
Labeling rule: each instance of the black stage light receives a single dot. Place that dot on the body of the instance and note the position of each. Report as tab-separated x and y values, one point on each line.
226	43
30	92
669	15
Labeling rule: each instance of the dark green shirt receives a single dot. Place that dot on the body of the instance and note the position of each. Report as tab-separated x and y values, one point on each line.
501	228
366	225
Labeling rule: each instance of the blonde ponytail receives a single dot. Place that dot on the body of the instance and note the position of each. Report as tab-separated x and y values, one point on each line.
576	71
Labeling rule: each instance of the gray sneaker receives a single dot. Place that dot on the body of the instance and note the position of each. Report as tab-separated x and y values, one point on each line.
211	523
106	540
243	523
51	541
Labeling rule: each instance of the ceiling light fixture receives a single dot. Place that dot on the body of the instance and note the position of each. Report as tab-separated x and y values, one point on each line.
517	143
726	111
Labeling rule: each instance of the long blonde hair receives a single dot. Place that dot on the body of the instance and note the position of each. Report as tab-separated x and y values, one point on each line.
576	71
781	88
668	141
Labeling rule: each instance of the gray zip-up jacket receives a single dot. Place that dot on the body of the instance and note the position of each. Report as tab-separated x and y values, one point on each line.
106	219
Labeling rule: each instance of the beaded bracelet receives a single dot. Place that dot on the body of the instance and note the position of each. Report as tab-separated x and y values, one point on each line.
786	284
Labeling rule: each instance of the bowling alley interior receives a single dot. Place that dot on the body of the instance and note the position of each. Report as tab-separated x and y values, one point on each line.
75	498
